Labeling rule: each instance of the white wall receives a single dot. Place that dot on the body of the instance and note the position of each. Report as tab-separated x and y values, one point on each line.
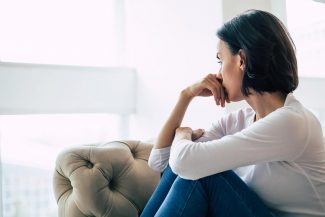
231	8
171	44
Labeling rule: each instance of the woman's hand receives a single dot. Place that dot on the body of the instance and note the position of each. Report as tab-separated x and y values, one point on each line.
187	133
210	85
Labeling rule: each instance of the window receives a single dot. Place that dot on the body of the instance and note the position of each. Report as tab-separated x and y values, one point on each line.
30	143
56	32
73	32
29	146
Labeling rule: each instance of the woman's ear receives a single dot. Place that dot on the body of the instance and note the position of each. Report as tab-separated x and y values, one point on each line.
242	59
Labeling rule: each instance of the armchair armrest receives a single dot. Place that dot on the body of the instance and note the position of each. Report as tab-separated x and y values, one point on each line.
108	180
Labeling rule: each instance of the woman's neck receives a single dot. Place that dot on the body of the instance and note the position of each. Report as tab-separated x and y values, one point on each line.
264	104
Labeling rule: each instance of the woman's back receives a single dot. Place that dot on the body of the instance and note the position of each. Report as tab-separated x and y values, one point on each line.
293	188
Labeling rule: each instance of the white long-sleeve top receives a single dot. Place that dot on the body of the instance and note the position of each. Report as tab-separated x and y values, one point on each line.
281	157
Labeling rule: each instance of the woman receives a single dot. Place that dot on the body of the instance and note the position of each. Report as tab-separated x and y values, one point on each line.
267	160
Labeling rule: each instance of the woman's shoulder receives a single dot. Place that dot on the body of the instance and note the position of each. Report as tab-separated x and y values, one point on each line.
293	119
305	125
294	110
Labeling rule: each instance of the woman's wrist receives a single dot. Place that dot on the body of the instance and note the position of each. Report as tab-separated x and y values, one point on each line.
186	94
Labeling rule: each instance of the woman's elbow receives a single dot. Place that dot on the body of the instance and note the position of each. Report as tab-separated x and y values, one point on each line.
156	166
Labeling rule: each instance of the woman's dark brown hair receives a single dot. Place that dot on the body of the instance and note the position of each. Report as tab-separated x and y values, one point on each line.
270	60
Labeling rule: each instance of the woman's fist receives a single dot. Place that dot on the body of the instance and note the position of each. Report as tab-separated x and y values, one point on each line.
187	133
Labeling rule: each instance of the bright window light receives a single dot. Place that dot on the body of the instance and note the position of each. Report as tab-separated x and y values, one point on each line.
306	23
73	32
29	147
35	140
56	32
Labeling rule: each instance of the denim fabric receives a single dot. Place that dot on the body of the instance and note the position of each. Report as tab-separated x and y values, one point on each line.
220	195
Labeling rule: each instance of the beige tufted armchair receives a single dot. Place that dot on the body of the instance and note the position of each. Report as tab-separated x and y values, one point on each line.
104	180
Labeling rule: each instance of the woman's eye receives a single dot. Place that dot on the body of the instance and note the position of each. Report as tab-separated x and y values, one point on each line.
219	62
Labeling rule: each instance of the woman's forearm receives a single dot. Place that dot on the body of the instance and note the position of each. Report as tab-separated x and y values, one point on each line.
174	121
211	85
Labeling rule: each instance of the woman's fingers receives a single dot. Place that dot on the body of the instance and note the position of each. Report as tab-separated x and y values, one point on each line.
214	90
210	85
222	97
197	134
187	133
215	86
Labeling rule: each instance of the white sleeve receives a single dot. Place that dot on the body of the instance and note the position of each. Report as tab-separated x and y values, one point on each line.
227	124
158	159
280	136
216	131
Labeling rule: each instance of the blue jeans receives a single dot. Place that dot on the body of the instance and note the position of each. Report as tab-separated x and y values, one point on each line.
220	195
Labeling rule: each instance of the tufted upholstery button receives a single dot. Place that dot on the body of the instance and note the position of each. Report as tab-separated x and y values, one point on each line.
108	180
89	164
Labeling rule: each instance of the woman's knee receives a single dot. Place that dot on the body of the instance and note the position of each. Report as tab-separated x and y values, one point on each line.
228	175
220	181
218	178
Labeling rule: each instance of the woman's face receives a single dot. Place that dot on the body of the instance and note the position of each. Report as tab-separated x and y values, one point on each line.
231	71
